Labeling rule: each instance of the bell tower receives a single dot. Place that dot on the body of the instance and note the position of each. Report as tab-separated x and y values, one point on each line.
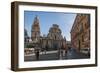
35	31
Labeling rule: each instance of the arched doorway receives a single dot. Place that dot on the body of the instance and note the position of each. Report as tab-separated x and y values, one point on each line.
55	45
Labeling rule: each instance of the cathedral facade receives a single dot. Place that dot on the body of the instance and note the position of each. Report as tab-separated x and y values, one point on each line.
52	41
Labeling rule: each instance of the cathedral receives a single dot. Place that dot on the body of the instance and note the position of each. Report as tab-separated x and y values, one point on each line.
52	41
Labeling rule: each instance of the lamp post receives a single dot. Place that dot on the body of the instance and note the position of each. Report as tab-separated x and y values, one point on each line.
60	52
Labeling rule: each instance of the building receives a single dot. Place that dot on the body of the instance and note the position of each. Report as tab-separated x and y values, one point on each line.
80	32
25	35
35	31
52	41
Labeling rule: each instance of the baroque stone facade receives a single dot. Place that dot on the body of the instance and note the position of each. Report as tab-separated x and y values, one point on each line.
80	32
52	41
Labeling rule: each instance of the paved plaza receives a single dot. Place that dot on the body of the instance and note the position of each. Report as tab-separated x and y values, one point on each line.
54	55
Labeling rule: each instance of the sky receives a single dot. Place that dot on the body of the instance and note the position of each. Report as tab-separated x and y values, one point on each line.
47	19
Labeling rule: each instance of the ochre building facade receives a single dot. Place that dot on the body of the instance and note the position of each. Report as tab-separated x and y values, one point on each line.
80	32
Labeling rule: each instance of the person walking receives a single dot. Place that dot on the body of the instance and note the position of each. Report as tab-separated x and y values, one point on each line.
37	53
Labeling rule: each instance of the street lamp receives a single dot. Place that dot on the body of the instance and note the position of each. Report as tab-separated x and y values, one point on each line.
60	52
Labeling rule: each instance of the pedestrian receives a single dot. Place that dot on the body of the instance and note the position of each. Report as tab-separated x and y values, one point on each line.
63	52
37	53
